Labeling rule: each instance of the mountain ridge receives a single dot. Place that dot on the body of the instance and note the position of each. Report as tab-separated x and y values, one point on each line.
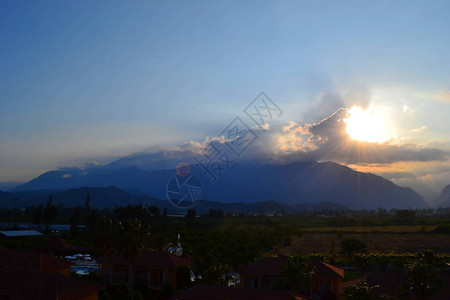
444	198
299	182
110	197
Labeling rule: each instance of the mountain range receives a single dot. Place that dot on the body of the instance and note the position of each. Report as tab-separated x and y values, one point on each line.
244	182
444	198
104	197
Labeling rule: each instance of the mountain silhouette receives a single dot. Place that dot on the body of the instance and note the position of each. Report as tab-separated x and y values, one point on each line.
444	198
110	197
300	182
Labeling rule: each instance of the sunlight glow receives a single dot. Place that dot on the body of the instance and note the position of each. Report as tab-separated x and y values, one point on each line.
369	125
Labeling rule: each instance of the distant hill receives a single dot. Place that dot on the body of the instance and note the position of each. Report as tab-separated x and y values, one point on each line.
444	199
23	197
322	206
7	185
311	182
100	197
111	196
301	182
267	207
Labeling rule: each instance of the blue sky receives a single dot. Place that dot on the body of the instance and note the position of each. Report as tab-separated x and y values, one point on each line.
84	80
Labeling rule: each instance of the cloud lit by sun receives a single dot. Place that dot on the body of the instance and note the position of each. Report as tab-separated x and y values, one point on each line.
369	125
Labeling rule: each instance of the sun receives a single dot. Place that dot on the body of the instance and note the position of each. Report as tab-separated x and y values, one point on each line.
369	125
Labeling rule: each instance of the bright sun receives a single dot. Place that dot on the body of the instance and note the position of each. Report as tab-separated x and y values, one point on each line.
369	125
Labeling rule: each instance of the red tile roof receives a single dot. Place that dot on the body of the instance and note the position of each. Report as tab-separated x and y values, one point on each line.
269	266
151	260
60	245
31	260
325	271
35	284
203	292
51	263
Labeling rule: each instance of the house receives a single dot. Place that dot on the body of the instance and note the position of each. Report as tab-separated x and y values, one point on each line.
33	260
34	275
60	247
152	268
204	292
23	283
262	273
327	278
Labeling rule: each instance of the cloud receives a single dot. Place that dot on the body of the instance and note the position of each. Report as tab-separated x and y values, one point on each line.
326	140
330	102
407	109
419	129
426	178
323	140
444	96
397	175
286	142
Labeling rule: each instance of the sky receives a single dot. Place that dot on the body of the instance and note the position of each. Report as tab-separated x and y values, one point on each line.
362	83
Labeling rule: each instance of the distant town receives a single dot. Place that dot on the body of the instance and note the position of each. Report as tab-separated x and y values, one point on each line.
144	252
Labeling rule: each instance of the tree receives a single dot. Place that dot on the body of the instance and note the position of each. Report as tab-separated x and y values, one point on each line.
183	274
75	219
190	216
38	215
351	246
13	200
104	295
423	275
105	235
50	213
122	292
94	216
154	211
296	275
125	238
87	207
132	236
405	216
165	291
158	241
215	213
359	291
361	260
216	273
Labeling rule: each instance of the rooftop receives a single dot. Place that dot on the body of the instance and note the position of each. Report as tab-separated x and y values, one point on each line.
31	260
155	260
60	245
20	233
204	292
41	285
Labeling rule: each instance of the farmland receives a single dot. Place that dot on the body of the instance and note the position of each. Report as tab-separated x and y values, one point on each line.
329	243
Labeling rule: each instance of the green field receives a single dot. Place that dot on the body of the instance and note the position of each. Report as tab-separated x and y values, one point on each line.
315	242
374	229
